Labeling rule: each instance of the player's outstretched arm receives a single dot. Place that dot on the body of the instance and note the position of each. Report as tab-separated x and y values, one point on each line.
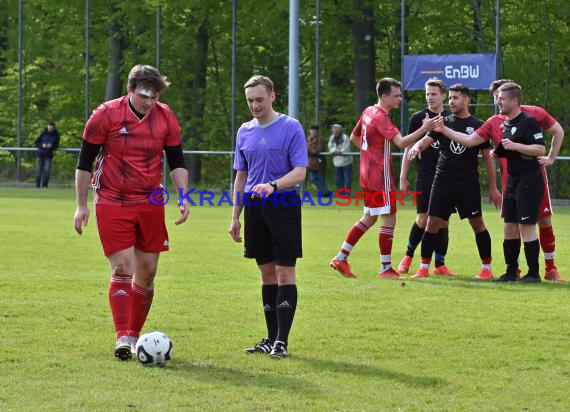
467	140
557	138
239	186
179	178
494	194
428	125
82	183
417	149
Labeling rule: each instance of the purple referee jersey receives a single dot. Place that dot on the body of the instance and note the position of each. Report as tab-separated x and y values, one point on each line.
270	151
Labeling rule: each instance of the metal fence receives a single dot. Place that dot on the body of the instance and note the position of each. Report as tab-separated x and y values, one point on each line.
214	167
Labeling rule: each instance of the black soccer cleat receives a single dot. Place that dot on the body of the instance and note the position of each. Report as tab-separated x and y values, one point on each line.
264	346
279	350
530	278
123	348
506	278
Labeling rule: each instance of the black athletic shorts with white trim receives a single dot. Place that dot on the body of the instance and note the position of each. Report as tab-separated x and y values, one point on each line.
450	194
523	197
272	231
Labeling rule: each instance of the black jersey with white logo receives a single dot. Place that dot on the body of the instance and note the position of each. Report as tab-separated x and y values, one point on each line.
425	167
523	129
456	160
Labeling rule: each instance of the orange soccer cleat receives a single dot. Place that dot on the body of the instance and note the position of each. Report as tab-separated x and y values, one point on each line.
485	274
421	273
389	274
443	271
405	264
342	267
552	275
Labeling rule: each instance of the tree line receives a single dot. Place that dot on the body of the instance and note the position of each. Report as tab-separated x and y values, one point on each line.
360	42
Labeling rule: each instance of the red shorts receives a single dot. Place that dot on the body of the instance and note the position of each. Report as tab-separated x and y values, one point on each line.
379	203
141	226
545	206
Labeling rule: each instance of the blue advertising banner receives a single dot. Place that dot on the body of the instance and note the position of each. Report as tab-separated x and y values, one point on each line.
476	71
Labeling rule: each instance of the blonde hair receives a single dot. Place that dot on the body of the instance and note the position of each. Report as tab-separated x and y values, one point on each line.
257	80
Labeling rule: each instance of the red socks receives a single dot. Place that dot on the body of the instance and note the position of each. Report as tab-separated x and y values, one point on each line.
547	242
140	306
386	237
120	293
354	235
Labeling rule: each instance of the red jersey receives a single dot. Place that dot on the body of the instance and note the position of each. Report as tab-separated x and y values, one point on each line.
129	165
492	130
376	130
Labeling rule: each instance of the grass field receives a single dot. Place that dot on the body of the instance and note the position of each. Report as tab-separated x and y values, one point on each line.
364	344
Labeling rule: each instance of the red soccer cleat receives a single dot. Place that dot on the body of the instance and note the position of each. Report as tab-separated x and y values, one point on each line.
421	273
405	264
443	271
389	274
485	274
552	275
342	267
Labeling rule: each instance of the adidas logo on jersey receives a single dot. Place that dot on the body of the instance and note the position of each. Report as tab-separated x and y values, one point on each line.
263	141
123	130
120	292
546	210
165	243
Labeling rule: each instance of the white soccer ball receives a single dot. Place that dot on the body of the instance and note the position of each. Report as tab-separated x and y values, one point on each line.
154	349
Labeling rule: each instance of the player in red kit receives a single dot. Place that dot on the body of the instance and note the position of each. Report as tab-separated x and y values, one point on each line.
128	136
373	134
492	129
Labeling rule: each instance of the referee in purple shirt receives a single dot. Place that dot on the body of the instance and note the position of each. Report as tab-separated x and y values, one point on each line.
271	161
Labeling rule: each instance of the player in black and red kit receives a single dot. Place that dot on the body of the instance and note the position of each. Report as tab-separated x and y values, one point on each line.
425	171
128	136
456	183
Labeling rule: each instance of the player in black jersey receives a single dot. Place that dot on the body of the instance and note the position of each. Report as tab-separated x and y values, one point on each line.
522	143
425	172
456	182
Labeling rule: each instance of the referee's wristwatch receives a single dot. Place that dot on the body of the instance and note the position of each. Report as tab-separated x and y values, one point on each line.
273	184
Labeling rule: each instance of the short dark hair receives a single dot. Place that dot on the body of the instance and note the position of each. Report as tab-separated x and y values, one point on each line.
498	83
513	90
258	79
51	124
461	88
147	77
385	84
314	127
437	83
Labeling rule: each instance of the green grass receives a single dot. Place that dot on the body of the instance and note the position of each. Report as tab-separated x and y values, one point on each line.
364	344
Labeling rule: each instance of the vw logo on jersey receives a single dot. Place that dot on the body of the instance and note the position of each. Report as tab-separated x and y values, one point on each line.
435	145
469	130
456	148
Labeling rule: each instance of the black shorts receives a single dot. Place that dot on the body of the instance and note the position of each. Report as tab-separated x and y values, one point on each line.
523	198
423	185
448	194
272	231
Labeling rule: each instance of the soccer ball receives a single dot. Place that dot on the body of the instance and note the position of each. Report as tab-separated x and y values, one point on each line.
154	349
